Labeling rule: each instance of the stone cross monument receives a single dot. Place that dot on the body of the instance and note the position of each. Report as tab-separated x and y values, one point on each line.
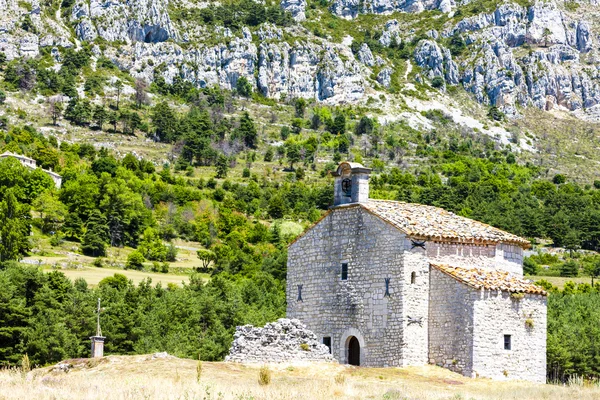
98	339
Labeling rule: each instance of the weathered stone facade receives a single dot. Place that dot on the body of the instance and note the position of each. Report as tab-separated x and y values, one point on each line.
373	291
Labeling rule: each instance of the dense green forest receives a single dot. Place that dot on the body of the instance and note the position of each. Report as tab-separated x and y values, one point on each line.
110	200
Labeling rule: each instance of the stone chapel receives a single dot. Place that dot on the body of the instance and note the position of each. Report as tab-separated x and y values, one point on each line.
387	283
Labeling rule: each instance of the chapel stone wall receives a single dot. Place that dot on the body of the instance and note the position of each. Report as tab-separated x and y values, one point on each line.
358	306
501	256
497	314
450	323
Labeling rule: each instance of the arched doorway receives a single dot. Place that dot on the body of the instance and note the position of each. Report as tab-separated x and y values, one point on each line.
353	351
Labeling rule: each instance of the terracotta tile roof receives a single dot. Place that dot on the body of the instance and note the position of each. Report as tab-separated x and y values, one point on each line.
433	223
493	280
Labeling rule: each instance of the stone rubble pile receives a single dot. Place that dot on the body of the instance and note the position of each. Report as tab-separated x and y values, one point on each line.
286	340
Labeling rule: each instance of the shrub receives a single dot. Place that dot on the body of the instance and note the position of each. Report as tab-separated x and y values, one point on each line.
198	370
243	87
529	323
264	376
340	379
25	364
98	262
305	346
517	296
164	268
495	113
569	269
135	260
529	266
437	82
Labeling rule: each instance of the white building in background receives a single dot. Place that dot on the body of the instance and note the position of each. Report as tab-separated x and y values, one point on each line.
32	164
390	284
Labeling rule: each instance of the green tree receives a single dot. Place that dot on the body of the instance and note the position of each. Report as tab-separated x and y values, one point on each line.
529	266
569	269
52	212
206	256
292	151
222	166
243	87
100	116
55	109
118	87
152	247
165	122
300	107
276	207
14	228
546	35
96	235
365	126
247	131
339	125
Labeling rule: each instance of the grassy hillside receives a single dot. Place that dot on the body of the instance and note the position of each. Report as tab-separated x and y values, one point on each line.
123	377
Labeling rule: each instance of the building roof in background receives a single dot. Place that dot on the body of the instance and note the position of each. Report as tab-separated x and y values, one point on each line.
437	224
9	154
479	278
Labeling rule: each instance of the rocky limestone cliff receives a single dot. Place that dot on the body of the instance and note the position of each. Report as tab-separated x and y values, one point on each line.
550	74
129	21
540	56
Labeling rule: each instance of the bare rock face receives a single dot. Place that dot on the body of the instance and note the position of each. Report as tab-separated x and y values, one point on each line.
131	21
365	56
286	340
550	75
351	8
295	7
384	78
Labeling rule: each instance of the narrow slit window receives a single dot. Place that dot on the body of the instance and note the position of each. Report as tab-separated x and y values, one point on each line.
507	342
327	342
300	293
387	287
413	277
344	271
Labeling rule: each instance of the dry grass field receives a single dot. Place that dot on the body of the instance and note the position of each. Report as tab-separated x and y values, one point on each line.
559	281
93	275
147	377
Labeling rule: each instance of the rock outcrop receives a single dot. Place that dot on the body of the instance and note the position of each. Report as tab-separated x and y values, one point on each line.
541	55
351	8
296	8
286	340
549	75
131	21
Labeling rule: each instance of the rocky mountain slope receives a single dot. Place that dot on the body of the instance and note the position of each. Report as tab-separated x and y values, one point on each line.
509	55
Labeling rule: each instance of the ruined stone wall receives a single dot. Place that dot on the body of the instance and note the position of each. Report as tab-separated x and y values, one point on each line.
450	323
497	314
286	340
357	306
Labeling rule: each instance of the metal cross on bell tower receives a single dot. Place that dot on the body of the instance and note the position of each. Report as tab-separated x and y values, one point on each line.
98	339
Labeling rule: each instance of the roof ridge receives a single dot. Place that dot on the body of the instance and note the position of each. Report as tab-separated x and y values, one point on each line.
482	278
433	222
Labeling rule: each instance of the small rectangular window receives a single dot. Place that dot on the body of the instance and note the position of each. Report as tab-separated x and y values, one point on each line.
344	271
327	342
507	342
